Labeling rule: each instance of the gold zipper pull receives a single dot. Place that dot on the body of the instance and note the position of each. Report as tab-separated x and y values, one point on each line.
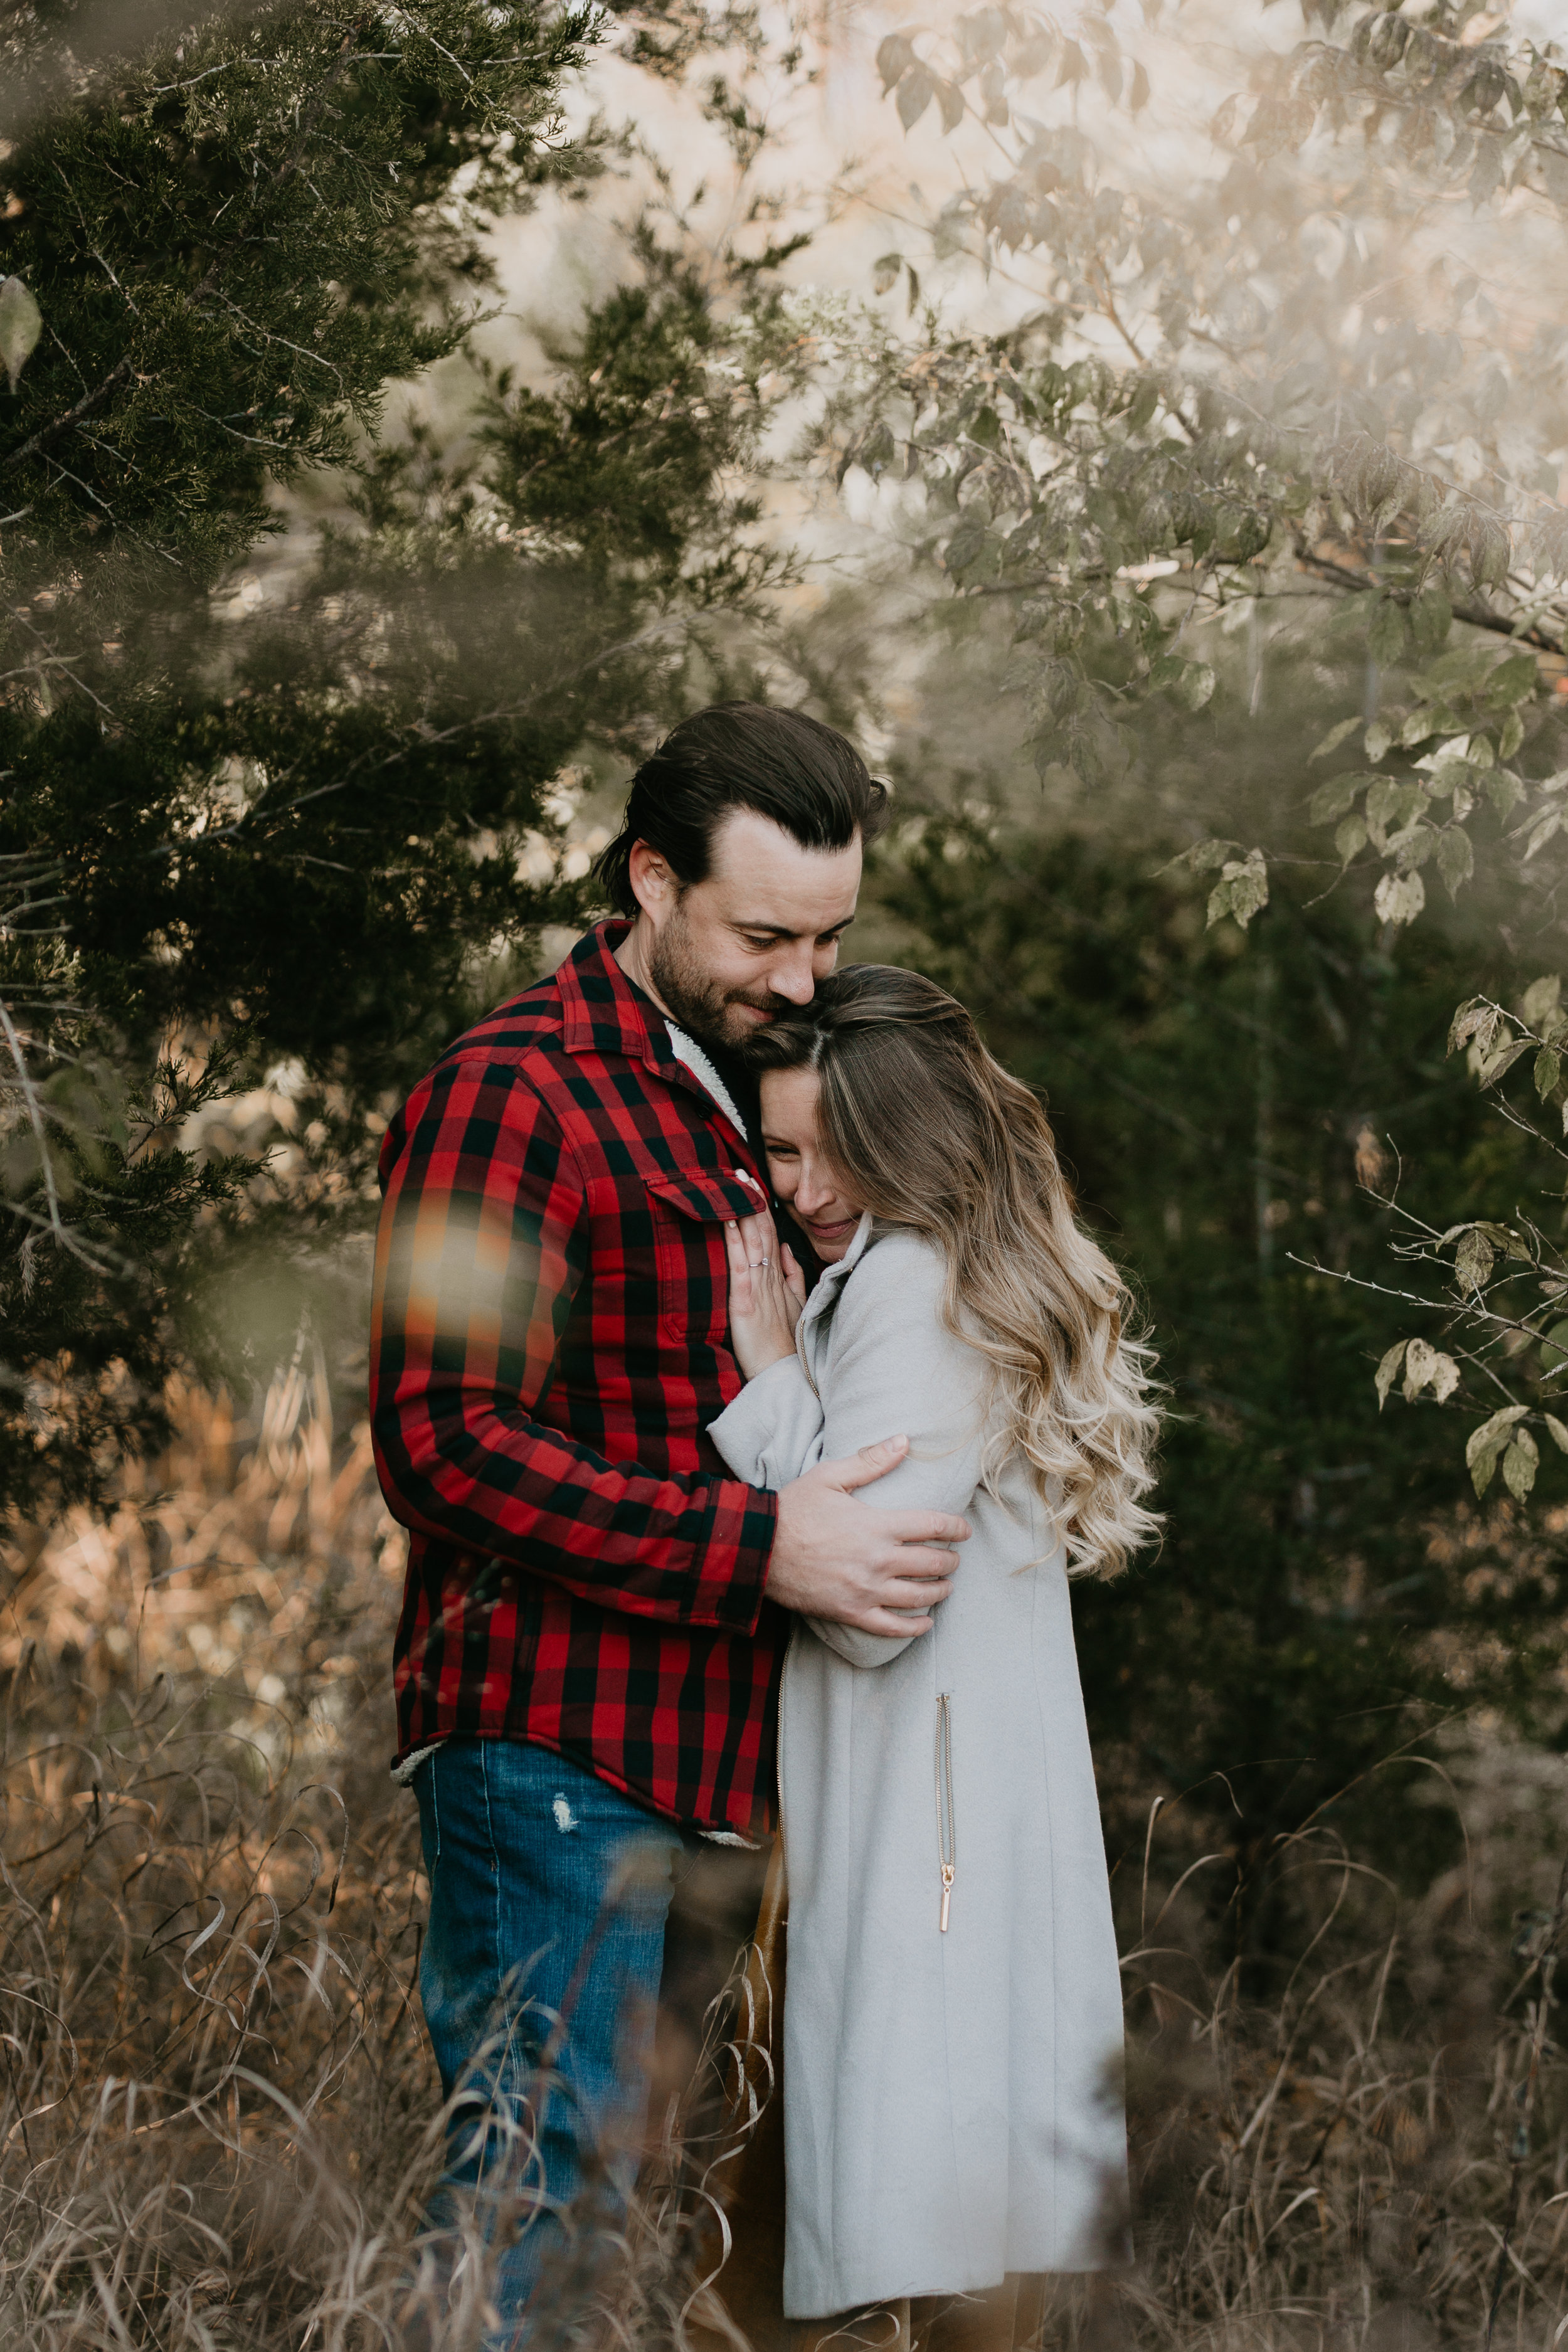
946	1893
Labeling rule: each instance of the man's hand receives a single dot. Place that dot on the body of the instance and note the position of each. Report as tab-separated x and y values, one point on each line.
834	1558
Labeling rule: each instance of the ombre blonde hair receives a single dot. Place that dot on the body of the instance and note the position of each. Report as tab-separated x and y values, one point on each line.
927	1131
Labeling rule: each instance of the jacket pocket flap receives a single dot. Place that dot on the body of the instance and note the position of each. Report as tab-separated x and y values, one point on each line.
707	1198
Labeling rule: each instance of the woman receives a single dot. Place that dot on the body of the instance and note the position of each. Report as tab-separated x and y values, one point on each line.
952	2016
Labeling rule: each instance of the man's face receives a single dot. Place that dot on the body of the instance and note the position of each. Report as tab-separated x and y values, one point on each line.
728	954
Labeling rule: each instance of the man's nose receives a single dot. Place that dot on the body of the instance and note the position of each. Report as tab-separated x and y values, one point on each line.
792	976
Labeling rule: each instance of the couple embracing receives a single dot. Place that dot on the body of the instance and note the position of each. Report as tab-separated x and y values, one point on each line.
749	1392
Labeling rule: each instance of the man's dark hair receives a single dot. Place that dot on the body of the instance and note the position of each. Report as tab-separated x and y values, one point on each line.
807	777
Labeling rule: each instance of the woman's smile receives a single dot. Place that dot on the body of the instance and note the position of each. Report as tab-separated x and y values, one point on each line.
828	1231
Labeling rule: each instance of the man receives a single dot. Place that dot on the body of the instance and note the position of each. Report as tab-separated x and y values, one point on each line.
587	1660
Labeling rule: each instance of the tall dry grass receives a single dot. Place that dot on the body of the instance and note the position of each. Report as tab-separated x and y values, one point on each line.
1378	2155
217	2100
219	2115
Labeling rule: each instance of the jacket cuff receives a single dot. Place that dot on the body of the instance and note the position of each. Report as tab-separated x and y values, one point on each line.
732	1563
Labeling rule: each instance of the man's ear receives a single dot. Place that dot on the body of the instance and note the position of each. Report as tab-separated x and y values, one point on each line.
653	884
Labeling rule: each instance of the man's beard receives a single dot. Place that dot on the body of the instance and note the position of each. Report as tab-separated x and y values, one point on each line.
696	1001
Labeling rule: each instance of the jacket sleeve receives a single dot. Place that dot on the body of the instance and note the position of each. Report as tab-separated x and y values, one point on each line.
894	1370
770	1433
483	1245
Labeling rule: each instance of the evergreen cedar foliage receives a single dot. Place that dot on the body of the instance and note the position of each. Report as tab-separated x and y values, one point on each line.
290	839
230	241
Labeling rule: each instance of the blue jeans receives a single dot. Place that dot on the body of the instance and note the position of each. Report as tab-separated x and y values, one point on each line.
549	1892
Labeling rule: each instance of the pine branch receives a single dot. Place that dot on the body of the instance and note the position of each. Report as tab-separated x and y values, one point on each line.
291	162
57	1224
85	406
284	171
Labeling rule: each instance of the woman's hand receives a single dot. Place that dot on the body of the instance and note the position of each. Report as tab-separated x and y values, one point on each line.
767	1292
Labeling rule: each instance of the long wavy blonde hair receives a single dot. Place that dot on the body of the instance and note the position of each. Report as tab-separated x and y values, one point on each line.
926	1129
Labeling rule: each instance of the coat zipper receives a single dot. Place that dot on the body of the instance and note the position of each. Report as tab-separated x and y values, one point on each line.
946	1836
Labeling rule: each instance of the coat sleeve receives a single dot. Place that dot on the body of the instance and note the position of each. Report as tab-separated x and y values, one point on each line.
894	1370
770	1433
482	1247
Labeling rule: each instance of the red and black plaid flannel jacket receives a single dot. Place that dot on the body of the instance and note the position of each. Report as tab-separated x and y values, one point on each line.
548	1348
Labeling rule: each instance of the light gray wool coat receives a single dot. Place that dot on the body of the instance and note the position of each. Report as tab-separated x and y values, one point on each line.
951	2100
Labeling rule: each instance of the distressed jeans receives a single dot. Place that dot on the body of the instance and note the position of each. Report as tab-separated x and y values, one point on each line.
539	1975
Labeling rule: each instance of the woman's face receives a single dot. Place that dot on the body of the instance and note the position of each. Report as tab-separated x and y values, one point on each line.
799	1167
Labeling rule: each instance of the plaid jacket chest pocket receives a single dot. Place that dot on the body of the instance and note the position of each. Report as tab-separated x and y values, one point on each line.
690	1215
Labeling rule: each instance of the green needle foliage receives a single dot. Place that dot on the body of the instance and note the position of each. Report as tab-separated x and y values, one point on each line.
235	241
305	837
